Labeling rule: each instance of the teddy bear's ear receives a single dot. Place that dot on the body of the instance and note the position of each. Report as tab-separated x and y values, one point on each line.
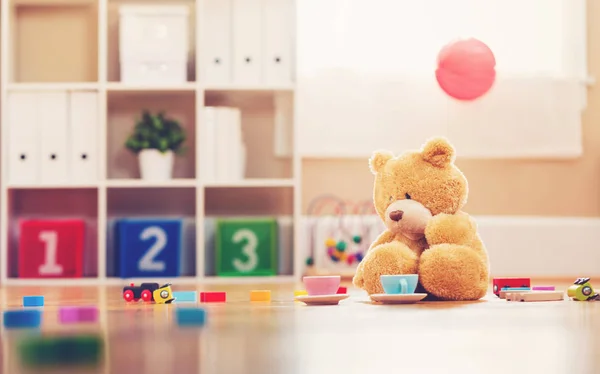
438	152
378	160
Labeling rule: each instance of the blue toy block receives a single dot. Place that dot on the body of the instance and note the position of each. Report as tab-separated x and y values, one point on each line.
148	247
185	296
24	318
516	289
190	316
33	300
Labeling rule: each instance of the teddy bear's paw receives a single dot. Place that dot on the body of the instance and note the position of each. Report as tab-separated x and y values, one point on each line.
453	272
358	280
388	258
450	229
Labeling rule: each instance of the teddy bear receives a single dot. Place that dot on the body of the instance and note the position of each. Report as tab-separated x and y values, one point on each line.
419	196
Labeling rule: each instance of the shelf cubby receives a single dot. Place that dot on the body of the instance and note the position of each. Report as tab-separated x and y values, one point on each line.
125	108
257	203
113	29
153	203
54	204
53	41
266	117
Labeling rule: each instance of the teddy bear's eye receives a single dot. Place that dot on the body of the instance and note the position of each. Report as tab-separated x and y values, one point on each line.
407	196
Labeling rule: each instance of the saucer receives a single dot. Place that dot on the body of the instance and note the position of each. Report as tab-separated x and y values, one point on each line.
322	299
409	298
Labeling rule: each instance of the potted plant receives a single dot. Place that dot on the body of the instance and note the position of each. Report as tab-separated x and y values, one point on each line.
155	140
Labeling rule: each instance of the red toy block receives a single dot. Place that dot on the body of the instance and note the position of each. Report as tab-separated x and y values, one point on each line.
212	297
342	290
51	248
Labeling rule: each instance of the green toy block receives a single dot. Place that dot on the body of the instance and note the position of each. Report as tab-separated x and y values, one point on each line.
42	351
246	247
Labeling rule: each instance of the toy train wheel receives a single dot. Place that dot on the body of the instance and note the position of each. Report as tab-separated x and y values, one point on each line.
586	291
146	295
128	296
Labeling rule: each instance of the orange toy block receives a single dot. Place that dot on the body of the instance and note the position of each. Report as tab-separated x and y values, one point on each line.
260	295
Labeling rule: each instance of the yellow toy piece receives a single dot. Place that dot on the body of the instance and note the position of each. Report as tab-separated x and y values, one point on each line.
260	295
582	290
330	242
163	295
300	293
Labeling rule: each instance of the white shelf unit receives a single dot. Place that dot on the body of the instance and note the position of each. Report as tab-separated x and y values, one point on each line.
72	46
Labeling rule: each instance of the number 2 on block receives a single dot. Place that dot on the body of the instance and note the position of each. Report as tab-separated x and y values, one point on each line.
148	262
50	267
249	250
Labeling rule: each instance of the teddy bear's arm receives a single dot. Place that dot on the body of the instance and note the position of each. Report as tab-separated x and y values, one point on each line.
385	237
456	228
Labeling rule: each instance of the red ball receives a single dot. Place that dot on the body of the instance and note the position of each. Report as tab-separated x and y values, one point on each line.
466	69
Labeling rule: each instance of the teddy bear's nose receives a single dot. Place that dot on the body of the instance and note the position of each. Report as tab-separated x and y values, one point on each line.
396	215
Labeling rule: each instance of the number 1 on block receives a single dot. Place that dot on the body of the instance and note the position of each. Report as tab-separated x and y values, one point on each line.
50	267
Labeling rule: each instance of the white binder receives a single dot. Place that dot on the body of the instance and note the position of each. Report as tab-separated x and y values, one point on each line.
247	42
83	159
278	48
209	154
53	120
217	42
223	154
23	135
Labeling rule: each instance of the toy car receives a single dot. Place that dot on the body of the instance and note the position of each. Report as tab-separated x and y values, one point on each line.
582	290
143	291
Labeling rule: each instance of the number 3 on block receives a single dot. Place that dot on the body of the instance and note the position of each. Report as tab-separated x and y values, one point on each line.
148	248
51	248
246	247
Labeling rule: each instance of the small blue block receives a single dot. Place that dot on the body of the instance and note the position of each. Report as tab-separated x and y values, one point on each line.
185	296
190	316
516	289
33	300
22	318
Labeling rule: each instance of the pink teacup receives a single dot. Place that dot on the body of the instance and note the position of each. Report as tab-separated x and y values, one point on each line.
322	285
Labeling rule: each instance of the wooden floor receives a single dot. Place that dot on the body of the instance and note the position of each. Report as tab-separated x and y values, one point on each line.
488	336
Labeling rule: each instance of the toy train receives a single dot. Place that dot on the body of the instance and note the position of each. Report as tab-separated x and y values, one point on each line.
148	292
582	290
500	283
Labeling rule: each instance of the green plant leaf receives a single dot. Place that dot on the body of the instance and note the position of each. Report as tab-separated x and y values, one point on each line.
156	131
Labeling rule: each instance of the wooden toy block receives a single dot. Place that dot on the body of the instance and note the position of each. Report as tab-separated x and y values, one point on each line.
190	316
504	292
543	288
213	297
22	318
246	247
499	283
148	247
51	248
185	297
78	314
260	295
33	301
342	290
300	293
535	296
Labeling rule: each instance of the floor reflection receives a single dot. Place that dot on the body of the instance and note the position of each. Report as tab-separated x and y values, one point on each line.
492	336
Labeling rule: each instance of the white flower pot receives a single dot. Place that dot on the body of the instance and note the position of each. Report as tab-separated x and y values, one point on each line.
155	165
